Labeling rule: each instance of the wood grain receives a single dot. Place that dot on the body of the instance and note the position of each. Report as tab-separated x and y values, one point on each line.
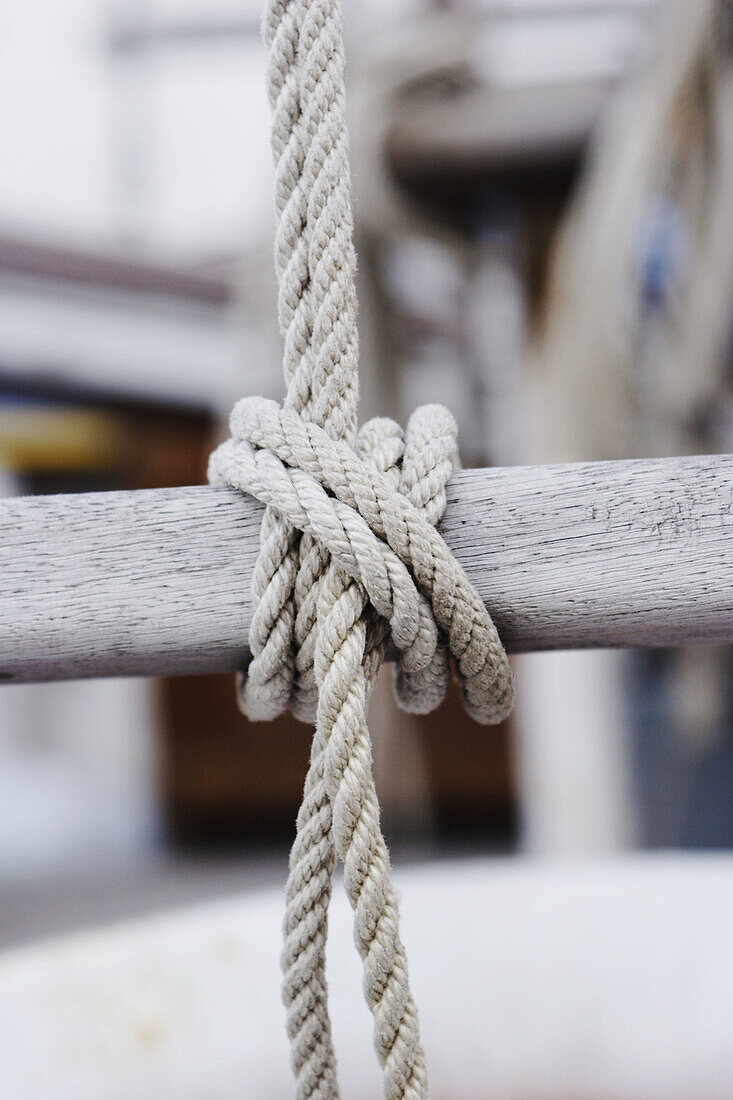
157	582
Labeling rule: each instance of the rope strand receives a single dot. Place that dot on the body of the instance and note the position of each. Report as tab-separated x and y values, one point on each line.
349	557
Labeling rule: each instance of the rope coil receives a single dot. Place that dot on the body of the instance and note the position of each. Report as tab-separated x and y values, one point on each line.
349	557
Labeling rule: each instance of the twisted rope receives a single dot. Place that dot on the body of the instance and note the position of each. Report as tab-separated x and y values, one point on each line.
349	557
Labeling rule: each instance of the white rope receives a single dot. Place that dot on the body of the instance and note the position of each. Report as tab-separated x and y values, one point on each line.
349	557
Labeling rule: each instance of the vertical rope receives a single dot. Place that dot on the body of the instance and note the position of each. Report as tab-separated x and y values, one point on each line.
316	638
315	264
321	606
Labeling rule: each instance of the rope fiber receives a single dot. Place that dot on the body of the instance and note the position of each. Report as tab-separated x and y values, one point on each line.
349	558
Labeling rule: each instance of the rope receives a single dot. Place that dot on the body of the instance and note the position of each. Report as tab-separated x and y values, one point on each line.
349	558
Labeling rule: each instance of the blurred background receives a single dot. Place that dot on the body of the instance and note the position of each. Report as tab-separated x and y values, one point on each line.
544	198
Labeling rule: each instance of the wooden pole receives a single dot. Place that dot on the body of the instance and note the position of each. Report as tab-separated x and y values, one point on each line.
158	582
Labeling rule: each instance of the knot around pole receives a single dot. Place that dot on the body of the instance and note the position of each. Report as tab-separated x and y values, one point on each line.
374	509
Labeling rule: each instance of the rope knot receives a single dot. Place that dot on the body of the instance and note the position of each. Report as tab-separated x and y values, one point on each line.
373	509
